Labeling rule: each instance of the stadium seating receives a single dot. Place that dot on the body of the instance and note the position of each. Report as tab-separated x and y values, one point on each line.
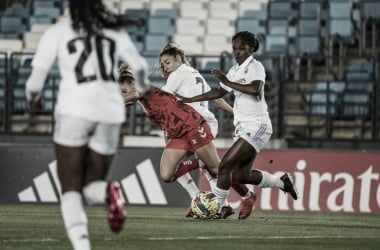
247	7
219	26
369	25
193	45
193	9
294	39
163	5
250	24
171	13
133	4
280	28
215	44
190	26
11	45
217	9
324	99
161	25
13	24
155	42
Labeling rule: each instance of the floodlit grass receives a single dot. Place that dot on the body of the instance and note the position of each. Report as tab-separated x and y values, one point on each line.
41	227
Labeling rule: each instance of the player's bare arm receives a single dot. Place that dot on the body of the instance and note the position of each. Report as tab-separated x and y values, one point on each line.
214	93
253	88
222	104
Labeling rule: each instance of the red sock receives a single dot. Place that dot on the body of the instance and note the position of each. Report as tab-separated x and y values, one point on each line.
241	189
186	167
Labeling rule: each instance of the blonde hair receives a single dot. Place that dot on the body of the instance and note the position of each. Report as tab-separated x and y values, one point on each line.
171	49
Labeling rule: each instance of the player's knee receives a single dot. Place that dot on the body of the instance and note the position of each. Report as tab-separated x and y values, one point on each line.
224	169
167	177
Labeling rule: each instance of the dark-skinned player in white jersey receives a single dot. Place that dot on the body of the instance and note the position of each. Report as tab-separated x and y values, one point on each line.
253	126
89	111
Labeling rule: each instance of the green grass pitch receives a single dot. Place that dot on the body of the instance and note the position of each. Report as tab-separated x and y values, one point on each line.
40	227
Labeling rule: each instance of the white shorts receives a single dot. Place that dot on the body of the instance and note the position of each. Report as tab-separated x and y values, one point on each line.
255	134
74	131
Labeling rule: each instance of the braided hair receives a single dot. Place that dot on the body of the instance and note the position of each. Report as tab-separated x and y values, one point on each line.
249	38
90	16
171	49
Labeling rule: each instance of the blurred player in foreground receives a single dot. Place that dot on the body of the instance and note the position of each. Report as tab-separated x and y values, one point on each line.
253	127
89	110
186	81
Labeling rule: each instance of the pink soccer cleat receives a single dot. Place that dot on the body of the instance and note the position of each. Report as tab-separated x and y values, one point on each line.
247	206
115	208
189	212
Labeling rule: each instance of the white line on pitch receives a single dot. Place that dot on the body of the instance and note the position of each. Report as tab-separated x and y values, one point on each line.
262	237
27	240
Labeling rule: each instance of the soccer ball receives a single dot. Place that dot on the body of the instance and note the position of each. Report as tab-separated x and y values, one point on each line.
205	205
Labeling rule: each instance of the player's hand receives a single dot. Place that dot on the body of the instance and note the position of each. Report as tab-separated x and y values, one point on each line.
130	97
36	103
219	75
181	98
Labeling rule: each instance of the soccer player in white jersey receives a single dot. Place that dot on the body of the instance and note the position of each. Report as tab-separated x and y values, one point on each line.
253	127
89	110
186	81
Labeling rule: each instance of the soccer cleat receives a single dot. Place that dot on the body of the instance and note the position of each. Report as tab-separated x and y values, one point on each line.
247	206
115	208
288	186
226	212
189	213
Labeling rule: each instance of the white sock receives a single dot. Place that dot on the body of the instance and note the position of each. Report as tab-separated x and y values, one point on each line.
222	195
188	184
211	180
270	180
95	192
75	220
246	196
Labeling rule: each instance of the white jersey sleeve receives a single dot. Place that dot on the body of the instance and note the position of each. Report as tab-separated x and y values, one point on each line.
132	57
47	49
174	82
43	60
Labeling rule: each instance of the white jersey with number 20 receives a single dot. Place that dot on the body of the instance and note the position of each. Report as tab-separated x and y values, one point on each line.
88	69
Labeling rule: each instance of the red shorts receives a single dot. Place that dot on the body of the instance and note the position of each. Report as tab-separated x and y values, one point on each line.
193	140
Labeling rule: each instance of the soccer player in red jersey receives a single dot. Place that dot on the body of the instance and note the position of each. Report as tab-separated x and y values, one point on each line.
186	81
186	130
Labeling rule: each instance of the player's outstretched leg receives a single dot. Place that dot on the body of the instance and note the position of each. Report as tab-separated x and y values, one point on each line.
115	208
289	186
247	206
